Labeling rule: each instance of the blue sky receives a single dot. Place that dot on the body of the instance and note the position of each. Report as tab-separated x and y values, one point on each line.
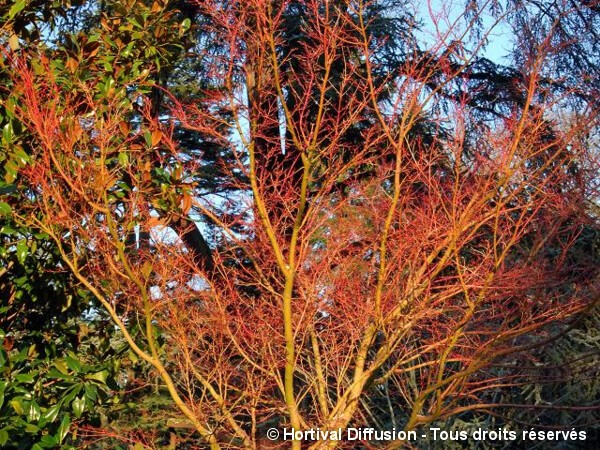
445	20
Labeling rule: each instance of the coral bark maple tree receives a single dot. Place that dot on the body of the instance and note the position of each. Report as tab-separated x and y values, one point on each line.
387	252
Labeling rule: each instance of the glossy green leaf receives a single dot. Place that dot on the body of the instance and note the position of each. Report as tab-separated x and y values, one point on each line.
48	442
185	25
15	9
5	209
73	364
61	366
34	413
7	133
17	406
63	428
148	138
31	428
98	376
52	413
54	373
72	392
123	159
24	378
8	189
3	437
22	251
78	406
22	157
12	170
91	393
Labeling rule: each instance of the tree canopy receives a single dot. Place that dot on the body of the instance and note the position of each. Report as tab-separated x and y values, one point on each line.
224	218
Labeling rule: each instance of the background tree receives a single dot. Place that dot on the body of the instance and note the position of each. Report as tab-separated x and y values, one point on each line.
58	359
391	227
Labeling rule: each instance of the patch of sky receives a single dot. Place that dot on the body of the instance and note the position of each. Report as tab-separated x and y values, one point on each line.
479	29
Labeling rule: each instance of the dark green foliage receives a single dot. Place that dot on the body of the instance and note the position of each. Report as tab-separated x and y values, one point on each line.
61	357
